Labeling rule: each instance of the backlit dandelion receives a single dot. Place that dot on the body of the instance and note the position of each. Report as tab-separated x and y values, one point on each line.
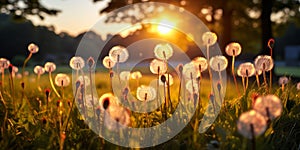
136	76
233	49
62	80
218	63
39	70
246	70
264	63
257	74
145	93
118	54
167	80
33	48
283	81
4	64
200	64
209	38
163	51
189	71
251	124
76	63
50	67
269	106
158	67
108	63
125	75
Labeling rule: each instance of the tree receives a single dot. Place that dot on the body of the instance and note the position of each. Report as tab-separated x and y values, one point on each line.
22	8
229	16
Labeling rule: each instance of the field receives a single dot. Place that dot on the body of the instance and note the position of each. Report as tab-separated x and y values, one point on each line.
27	122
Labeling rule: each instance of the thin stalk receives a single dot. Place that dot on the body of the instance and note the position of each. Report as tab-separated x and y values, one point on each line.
2	74
233	74
38	82
247	82
92	93
244	86
52	85
257	80
24	65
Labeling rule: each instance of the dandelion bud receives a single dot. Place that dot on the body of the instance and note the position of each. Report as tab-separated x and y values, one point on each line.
77	84
98	111
91	62
219	86
163	78
33	48
111	74
23	85
47	92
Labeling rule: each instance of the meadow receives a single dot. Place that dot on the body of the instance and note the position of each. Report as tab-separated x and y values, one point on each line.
38	112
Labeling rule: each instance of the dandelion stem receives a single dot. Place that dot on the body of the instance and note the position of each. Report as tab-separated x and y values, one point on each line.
38	82
24	65
92	93
247	82
233	74
2	74
265	78
52	85
244	86
257	80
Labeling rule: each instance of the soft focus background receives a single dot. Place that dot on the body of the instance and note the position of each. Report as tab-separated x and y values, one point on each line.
58	25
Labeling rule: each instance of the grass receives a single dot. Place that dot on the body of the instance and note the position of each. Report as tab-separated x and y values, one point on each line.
26	124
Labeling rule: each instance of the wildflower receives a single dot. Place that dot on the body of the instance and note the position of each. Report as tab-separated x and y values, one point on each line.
4	63
118	54
145	93
62	79
298	86
200	64
283	80
269	106
125	75
39	70
76	63
168	79
233	49
163	51
49	66
218	63
192	86
33	48
209	38
251	124
136	75
108	63
264	63
246	69
106	100
91	62
189	71
158	67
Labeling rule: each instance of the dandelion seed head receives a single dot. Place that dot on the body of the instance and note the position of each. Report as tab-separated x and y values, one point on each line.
33	48
192	86
108	63
158	66
39	70
163	51
76	63
283	80
271	103
49	67
263	63
118	54
84	80
246	69
62	80
233	49
136	75
189	71
145	93
209	38
107	100
4	63
251	117
218	63
200	64
125	75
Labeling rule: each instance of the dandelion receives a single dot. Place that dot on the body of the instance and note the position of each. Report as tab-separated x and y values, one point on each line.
264	63
32	48
209	39
91	63
169	80
201	65
106	100
233	49
50	67
145	93
119	117
218	63
163	51
39	70
76	63
109	64
283	81
189	71
269	106
62	80
158	67
4	64
136	76
251	124
246	70
125	75
271	45
191	86
118	54
298	86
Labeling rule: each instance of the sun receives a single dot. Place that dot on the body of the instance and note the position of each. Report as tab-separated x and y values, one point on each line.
165	26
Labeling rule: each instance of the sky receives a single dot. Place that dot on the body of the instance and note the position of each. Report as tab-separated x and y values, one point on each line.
76	16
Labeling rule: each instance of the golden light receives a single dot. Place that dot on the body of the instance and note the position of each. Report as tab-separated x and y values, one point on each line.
165	26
